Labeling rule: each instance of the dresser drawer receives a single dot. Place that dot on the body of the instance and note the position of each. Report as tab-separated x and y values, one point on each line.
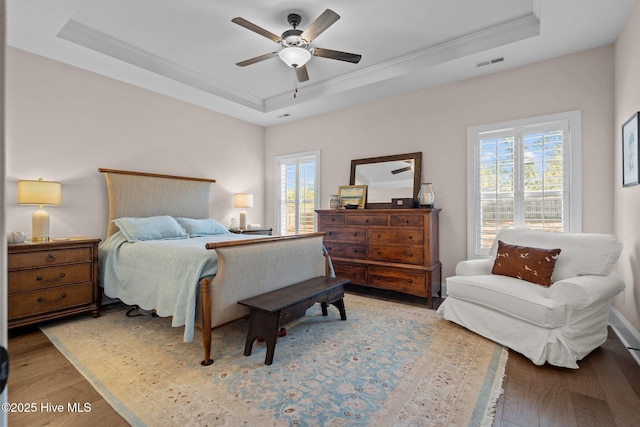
395	236
346	234
401	254
398	279
46	258
350	271
47	300
407	220
367	220
39	278
346	250
331	219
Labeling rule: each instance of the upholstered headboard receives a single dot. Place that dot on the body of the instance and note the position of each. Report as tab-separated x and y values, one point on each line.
140	194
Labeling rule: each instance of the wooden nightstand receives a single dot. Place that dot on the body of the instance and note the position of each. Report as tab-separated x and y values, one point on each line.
52	280
264	231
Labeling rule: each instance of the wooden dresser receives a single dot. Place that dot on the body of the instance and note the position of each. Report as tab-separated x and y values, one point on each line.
52	280
394	249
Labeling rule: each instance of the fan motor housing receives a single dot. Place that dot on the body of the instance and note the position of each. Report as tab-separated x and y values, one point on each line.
292	38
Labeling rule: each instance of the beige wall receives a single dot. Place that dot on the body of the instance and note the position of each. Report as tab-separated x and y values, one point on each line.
63	123
435	122
627	199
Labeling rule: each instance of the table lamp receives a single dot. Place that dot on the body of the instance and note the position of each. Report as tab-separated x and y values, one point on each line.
243	200
39	193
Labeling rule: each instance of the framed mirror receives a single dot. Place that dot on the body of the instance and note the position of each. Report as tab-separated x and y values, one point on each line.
388	177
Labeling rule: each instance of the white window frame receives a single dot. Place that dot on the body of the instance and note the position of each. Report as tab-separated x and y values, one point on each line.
572	168
296	158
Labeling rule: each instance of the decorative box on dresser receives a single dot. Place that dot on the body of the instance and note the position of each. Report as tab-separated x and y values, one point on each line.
52	280
393	249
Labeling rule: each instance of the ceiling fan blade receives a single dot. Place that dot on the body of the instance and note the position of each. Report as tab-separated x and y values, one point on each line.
259	30
322	22
257	59
400	170
335	54
302	74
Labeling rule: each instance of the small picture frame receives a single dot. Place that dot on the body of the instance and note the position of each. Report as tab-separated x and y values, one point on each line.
630	147
352	196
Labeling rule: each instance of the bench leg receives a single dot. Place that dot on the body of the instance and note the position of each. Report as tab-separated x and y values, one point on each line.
340	306
324	306
266	326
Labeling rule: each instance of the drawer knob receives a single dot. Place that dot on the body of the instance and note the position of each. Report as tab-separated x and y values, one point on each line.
49	301
355	234
51	257
366	220
53	279
377	277
410	281
355	250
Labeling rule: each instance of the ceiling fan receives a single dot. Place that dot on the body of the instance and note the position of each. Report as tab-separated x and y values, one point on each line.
296	50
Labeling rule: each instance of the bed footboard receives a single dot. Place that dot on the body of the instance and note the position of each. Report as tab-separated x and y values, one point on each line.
247	268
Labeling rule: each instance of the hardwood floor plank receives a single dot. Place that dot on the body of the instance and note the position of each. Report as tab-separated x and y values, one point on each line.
591	412
620	395
555	407
520	404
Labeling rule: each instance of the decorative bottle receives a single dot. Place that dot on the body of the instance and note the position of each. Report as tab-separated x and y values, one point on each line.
334	201
426	196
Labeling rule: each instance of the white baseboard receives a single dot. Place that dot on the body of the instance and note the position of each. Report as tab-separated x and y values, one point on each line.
627	334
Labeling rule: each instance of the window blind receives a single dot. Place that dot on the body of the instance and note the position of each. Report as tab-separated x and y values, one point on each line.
522	178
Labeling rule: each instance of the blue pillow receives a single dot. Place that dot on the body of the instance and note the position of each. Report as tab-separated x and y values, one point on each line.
202	227
150	228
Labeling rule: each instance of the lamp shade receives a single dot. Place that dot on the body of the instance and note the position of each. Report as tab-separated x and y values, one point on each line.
243	200
39	192
294	56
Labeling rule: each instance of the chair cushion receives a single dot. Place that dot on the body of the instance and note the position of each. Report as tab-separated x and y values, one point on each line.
513	297
522	262
582	253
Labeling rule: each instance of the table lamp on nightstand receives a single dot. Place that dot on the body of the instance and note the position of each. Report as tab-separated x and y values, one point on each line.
39	193
243	201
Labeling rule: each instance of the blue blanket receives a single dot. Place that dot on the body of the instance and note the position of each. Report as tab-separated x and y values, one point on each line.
160	274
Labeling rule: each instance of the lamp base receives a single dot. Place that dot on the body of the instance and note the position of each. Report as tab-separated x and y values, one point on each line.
40	226
243	220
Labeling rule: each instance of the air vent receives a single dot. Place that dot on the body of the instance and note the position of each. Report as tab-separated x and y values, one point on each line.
490	61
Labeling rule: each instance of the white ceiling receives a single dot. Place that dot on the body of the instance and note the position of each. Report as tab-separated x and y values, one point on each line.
187	49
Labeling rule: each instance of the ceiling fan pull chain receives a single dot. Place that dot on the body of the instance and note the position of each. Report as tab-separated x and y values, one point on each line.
295	84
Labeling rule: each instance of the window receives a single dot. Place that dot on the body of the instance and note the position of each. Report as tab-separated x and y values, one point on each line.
525	173
297	192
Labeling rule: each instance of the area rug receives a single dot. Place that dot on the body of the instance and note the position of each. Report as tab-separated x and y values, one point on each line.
387	364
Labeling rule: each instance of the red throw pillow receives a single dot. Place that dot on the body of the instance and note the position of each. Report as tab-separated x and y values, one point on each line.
531	264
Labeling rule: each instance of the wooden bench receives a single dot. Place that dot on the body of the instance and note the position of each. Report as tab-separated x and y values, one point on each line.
270	310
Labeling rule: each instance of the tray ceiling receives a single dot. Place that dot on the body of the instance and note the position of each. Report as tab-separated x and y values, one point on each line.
188	49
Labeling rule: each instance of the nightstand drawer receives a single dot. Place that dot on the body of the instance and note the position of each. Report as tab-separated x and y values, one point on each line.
39	278
48	300
47	258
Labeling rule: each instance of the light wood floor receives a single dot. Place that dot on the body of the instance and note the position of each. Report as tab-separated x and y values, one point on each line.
605	391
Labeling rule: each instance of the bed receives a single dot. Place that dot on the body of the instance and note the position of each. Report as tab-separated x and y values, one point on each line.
196	279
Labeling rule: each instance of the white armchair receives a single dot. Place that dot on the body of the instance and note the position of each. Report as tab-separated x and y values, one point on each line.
559	324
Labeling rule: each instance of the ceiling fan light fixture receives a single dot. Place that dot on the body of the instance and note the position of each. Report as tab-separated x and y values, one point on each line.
294	56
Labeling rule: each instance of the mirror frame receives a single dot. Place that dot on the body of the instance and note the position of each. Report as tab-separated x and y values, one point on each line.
417	174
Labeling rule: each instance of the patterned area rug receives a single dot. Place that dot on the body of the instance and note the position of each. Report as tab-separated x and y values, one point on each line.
388	364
